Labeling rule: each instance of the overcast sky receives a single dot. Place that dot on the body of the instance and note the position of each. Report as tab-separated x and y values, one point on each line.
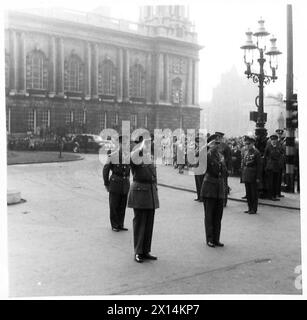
221	27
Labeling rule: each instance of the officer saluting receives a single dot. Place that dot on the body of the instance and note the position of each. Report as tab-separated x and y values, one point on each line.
251	172
117	185
213	193
143	198
226	153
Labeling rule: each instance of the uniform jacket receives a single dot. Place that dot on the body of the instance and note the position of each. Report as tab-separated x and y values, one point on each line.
143	193
251	166
213	182
282	144
226	152
118	182
273	158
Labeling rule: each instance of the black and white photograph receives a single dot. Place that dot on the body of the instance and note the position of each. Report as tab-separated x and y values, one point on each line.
151	150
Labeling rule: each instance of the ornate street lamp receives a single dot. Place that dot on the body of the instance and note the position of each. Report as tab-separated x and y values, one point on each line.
261	78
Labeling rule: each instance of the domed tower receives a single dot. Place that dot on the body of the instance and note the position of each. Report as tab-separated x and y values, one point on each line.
168	21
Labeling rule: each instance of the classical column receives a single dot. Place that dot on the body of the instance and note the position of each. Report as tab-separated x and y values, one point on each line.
9	120
119	75
126	75
13	63
166	78
84	116
48	119
196	66
34	121
189	86
149	89
87	62
158	77
60	68
52	67
22	64
95	71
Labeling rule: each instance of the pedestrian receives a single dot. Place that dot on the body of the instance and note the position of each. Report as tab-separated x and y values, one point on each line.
251	173
61	145
213	192
200	176
272	166
143	198
31	143
243	149
236	160
117	184
181	154
281	141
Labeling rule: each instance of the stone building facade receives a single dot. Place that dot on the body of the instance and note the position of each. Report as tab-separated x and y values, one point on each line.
85	72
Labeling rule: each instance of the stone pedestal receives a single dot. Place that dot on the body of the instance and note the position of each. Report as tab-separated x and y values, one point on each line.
13	196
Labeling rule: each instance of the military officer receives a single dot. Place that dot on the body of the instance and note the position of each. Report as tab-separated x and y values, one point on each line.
226	152
117	185
143	198
213	192
272	166
251	173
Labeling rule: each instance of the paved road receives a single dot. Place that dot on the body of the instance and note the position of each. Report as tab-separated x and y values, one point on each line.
60	241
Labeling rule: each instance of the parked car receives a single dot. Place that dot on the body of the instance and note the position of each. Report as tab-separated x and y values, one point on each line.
88	143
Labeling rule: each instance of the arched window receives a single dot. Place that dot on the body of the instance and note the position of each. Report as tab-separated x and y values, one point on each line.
177	91
107	78
73	74
137	81
37	70
7	70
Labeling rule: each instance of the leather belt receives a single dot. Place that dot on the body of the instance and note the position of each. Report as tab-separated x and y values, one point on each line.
121	176
146	181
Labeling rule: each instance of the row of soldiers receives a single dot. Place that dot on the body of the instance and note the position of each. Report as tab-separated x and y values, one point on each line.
261	174
212	185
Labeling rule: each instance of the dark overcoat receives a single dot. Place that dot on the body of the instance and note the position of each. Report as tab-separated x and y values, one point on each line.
143	193
118	182
213	183
273	158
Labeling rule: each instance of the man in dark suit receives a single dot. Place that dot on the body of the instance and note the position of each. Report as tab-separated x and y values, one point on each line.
143	198
213	193
272	166
117	185
251	173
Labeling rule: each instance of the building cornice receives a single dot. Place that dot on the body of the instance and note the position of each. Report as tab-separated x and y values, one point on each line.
62	28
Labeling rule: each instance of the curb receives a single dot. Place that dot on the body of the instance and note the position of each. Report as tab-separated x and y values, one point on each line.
57	161
229	198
